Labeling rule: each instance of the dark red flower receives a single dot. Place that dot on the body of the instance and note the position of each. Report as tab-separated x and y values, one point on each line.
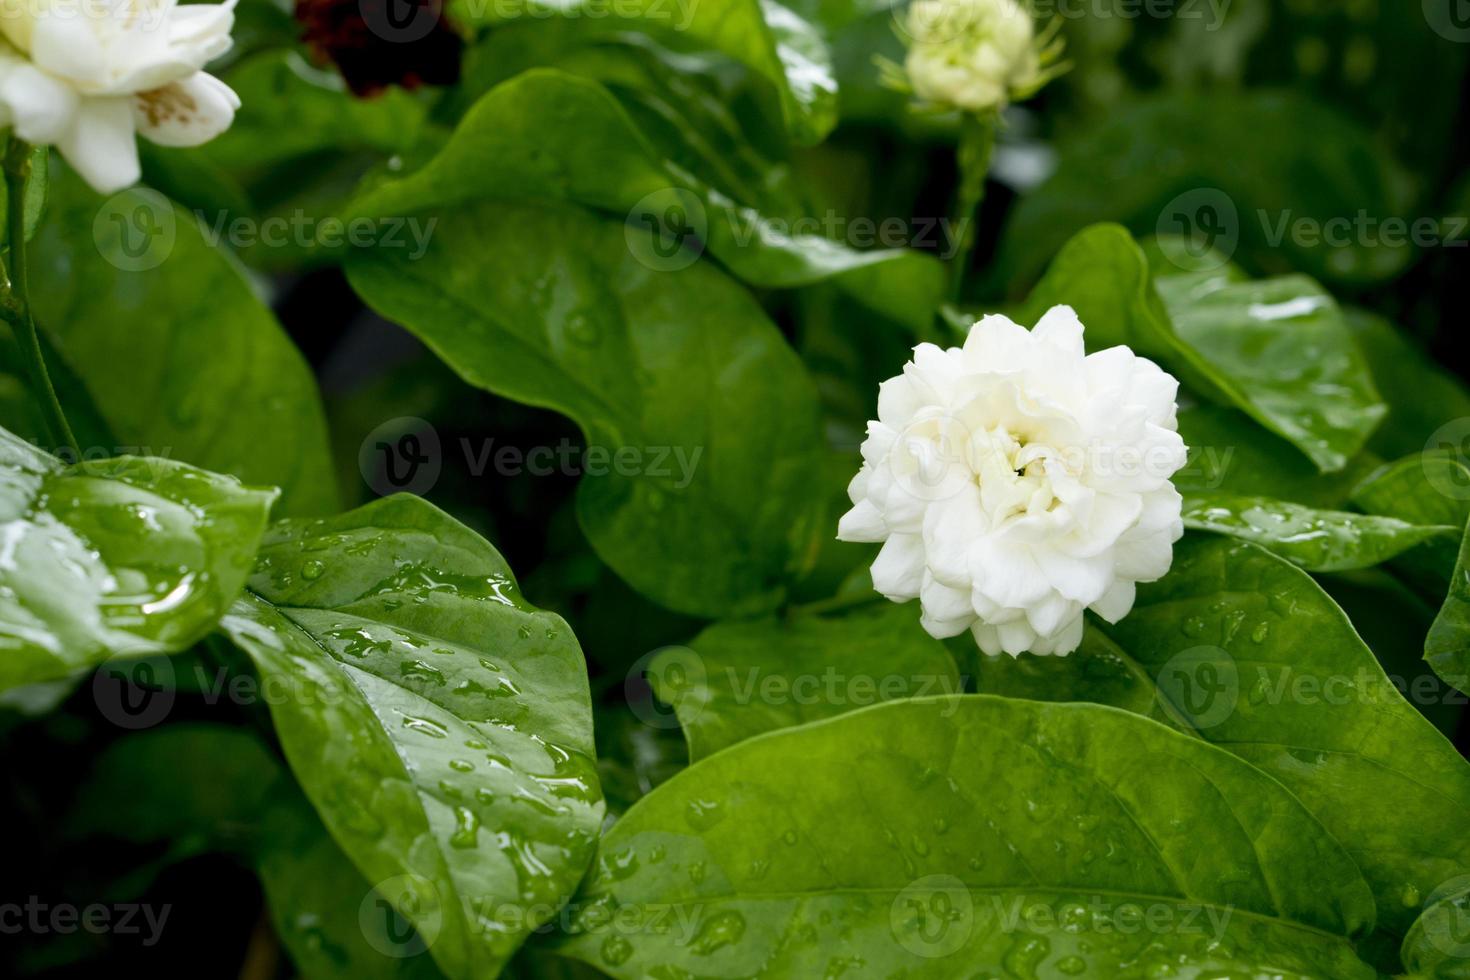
377	43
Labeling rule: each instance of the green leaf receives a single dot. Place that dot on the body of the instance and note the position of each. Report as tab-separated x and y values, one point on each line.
1318	165
937	837
1229	453
1393	620
737	680
333	923
770	39
1447	647
1317	540
174	348
35	197
1421	489
1422	397
596	156
1282	348
120	556
1433	486
1243	649
1278	350
678	374
439	724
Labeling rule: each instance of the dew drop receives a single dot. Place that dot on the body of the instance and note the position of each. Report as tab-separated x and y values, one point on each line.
1025	954
718	931
703	814
466	828
616	950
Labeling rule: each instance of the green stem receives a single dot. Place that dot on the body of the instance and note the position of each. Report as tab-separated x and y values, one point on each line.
13	297
976	146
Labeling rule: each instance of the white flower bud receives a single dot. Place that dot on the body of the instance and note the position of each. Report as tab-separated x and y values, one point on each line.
975	55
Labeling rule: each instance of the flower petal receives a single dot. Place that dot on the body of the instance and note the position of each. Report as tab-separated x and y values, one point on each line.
101	145
38	106
186	113
898	571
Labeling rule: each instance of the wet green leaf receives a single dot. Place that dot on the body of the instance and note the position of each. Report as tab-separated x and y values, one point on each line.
701	422
1230	453
440	725
1434	485
1317	540
1278	350
937	837
175	350
1246	651
128	555
596	156
1438	945
331	921
740	679
770	39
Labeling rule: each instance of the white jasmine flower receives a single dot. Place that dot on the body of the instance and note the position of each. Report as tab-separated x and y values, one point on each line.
976	55
1017	481
86	75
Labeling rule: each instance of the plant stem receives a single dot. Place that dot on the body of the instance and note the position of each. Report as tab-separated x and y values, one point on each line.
13	297
976	146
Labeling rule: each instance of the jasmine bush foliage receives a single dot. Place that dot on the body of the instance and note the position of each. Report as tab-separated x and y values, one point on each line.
716	489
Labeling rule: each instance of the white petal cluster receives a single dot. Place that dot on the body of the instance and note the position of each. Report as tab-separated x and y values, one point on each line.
86	75
1017	481
974	55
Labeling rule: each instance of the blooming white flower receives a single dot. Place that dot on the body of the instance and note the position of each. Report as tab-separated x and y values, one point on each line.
86	75
1017	481
975	55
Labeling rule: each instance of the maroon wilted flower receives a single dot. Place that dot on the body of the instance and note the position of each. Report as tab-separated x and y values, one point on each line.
377	43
